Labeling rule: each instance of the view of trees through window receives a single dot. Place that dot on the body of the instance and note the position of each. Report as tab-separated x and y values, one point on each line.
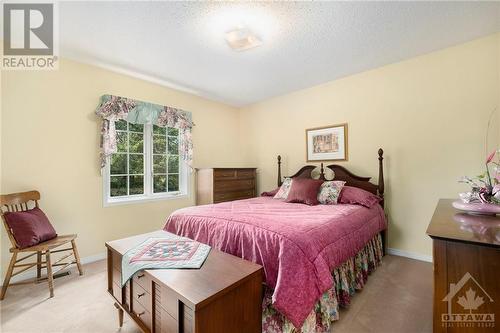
127	167
165	159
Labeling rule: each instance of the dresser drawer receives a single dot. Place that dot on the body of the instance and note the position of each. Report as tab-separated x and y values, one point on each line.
234	185
225	174
142	296
142	279
245	174
141	313
165	323
169	302
228	196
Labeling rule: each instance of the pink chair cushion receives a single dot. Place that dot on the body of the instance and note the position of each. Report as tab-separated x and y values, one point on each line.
30	227
357	196
304	190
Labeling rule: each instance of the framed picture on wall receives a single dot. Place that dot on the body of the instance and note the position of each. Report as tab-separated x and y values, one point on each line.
327	143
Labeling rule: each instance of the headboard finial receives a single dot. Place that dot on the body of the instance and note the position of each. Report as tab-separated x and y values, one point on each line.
381	173
279	170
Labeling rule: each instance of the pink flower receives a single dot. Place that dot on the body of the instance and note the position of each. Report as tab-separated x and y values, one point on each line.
490	157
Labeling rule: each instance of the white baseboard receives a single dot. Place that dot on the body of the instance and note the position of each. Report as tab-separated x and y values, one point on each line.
411	255
94	258
31	273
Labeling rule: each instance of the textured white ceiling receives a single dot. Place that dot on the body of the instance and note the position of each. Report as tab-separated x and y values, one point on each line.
304	43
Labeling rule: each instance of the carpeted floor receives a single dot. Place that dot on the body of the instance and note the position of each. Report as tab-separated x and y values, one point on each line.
397	298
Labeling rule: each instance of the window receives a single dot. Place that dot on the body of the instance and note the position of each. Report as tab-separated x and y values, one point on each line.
146	166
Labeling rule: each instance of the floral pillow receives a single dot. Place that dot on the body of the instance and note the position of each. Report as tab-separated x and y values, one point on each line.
284	189
329	192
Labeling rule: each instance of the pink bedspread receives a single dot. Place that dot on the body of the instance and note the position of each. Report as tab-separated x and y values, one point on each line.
298	245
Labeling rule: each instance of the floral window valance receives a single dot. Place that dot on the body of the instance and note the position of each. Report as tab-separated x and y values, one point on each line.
114	108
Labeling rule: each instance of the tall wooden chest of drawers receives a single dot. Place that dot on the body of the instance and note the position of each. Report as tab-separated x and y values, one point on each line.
214	185
224	295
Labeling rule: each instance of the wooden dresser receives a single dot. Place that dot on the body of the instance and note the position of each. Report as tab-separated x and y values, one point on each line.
224	295
215	185
466	256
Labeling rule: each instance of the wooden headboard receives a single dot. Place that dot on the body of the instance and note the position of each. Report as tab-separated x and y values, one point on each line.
341	173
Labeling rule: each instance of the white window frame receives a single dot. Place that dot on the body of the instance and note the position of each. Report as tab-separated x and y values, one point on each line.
149	195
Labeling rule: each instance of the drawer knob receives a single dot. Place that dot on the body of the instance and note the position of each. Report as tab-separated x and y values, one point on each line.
140	295
141	313
140	275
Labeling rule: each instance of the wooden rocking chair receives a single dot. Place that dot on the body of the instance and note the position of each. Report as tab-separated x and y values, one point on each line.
19	202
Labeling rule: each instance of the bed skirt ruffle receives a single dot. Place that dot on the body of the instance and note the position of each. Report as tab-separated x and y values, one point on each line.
347	278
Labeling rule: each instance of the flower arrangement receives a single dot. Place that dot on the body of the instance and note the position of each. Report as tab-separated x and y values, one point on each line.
485	187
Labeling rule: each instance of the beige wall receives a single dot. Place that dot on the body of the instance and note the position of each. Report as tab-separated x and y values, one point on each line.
50	137
429	114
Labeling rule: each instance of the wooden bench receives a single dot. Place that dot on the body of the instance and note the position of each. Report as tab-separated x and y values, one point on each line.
224	295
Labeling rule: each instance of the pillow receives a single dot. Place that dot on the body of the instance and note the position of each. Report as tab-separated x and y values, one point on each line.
329	192
270	193
30	227
304	190
357	196
284	189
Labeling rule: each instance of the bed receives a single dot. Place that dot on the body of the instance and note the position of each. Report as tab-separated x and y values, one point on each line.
314	257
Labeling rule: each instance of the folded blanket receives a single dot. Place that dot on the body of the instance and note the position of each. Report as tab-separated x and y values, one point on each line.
168	252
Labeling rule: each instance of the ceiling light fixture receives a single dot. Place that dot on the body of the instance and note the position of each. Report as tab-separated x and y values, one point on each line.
241	25
241	39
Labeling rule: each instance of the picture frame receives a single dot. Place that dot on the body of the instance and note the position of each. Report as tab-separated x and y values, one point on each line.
327	143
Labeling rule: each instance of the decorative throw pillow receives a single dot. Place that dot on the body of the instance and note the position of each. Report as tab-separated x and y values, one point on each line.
284	189
270	193
357	196
304	190
30	227
330	191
